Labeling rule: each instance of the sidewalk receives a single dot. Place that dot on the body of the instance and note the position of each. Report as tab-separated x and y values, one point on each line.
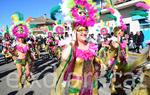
41	80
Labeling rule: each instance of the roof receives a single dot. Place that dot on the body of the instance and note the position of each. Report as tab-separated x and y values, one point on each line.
41	20
122	5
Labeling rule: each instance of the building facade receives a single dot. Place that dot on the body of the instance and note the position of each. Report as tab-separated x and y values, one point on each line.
41	25
136	18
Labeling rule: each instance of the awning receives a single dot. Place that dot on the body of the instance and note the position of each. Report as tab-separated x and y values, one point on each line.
137	17
139	13
33	25
111	16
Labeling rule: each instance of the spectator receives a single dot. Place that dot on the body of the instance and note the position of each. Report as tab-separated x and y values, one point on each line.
1	45
142	38
131	36
112	34
139	40
92	39
66	34
99	41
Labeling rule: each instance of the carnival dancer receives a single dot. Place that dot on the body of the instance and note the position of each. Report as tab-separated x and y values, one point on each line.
79	69
50	44
142	87
7	51
123	48
37	51
117	57
103	53
31	57
148	43
58	50
1	45
21	61
48	41
59	30
120	63
20	30
112	61
79	66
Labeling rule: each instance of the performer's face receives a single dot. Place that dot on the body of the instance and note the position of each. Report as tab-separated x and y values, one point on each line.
114	44
82	34
20	29
121	33
20	39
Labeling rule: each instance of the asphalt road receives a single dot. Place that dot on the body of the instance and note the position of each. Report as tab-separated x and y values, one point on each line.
41	78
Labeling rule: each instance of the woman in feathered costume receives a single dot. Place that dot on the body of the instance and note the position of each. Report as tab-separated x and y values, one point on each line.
119	55
114	55
6	43
143	87
117	58
22	50
80	68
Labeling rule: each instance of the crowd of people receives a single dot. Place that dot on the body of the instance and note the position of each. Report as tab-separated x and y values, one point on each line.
82	55
136	41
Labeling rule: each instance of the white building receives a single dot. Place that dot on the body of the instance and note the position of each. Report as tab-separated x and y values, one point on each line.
135	18
131	18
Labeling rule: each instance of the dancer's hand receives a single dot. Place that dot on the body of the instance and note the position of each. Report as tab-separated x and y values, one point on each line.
115	44
74	38
65	52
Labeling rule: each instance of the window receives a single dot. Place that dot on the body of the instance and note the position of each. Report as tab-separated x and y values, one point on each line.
144	24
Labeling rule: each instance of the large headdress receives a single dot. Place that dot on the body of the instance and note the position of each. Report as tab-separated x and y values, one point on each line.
82	12
6	33
59	29
79	27
116	30
19	27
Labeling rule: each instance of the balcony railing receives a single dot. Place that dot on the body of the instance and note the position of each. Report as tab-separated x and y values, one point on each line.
121	5
118	2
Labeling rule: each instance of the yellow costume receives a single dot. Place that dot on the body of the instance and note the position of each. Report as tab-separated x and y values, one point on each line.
78	74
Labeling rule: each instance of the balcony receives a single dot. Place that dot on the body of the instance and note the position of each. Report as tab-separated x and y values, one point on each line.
41	20
119	4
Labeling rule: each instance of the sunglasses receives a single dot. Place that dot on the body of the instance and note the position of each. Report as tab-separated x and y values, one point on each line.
81	29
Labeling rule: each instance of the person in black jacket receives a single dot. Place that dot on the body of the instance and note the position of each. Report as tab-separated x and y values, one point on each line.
1	45
132	41
139	40
142	38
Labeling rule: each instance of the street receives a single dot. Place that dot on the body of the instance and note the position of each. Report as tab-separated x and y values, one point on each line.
41	78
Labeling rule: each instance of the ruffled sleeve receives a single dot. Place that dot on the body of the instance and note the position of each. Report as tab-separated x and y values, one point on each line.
87	54
93	48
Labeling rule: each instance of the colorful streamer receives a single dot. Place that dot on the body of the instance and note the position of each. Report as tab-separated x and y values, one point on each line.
17	16
143	5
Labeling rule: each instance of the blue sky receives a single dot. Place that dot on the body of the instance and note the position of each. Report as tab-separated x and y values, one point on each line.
34	8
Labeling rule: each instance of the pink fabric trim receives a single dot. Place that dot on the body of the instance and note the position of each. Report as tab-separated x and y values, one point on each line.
77	77
123	45
49	40
56	41
87	54
22	49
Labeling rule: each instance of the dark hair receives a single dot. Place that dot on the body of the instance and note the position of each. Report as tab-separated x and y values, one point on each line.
24	40
115	30
141	32
112	33
62	37
0	40
66	34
